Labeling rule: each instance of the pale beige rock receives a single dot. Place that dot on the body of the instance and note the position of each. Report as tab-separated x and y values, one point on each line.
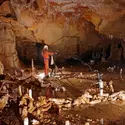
4	101
95	102
24	112
8	53
1	68
87	123
82	100
111	86
122	96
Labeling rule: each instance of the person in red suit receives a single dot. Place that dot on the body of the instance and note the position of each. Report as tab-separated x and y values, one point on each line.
46	54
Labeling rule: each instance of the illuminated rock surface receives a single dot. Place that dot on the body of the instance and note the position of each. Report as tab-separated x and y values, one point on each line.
60	23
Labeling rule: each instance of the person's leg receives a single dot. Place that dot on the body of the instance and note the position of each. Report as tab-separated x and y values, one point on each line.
46	68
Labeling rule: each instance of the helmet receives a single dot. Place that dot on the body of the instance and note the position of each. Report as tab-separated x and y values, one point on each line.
45	47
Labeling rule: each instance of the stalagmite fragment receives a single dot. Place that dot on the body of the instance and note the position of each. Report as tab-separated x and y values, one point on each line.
101	87
111	86
33	68
87	123
4	101
121	72
30	93
102	121
122	96
35	122
24	112
1	68
67	122
20	91
95	102
26	121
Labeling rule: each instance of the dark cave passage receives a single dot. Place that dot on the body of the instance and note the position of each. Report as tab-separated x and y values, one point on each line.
31	50
28	51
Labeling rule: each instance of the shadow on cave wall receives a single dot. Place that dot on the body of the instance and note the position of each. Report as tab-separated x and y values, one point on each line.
28	50
112	52
111	49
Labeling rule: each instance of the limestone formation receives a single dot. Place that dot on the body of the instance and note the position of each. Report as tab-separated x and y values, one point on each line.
1	68
3	101
70	24
8	53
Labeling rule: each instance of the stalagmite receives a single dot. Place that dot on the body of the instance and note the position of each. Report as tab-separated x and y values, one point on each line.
26	121
67	122
52	60
4	101
87	123
35	122
111	86
121	71
33	68
30	93
101	87
101	121
1	68
111	36
81	74
20	91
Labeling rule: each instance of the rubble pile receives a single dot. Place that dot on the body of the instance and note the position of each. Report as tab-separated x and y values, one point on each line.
11	87
92	100
88	76
43	110
78	75
86	98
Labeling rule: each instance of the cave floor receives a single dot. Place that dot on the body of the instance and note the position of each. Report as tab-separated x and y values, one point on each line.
112	113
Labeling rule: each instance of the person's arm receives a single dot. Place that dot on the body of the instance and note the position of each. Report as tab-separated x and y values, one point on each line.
50	53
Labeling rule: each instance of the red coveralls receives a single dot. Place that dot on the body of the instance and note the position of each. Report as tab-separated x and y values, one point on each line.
46	54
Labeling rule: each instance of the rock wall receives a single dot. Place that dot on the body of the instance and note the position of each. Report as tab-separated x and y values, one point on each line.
70	27
26	49
8	53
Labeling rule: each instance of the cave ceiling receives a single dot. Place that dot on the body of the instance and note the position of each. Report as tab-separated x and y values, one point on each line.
108	16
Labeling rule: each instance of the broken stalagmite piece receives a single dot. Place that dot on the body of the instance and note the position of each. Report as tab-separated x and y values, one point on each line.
3	101
121	72
35	122
24	112
95	102
122	96
82	100
20	91
67	122
33	68
111	86
87	123
26	121
30	93
1	68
